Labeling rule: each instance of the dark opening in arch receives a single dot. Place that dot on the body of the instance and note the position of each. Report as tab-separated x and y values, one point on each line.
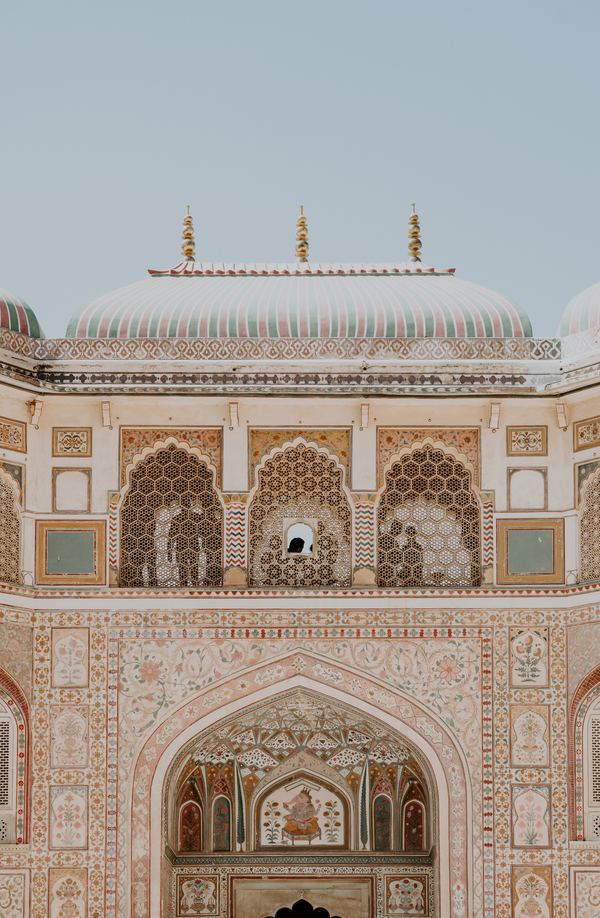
302	909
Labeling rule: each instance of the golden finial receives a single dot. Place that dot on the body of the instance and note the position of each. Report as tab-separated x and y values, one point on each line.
414	236
302	236
188	246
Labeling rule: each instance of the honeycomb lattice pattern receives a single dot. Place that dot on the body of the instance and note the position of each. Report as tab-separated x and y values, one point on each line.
171	523
590	529
429	529
300	483
10	531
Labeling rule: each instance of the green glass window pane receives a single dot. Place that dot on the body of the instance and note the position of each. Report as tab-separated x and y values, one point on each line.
530	551
70	553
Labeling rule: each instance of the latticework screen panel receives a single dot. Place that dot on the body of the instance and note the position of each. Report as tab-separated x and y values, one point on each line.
595	761
7	754
590	529
429	523
10	532
171	523
300	483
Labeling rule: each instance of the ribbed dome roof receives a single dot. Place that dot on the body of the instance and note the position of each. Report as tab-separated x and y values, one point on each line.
196	300
17	316
582	313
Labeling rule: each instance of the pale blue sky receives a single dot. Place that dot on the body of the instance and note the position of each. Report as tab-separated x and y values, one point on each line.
117	114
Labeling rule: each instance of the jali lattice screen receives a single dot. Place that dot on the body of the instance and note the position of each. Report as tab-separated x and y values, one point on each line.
590	528
10	530
300	483
171	523
429	523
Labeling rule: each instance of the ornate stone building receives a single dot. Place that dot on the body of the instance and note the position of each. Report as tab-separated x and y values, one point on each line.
299	599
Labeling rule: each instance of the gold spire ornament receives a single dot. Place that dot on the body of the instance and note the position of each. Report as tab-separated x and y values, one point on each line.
188	246
302	236
414	236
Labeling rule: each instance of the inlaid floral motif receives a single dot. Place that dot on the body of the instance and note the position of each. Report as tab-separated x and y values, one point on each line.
12	895
68	816
530	739
70	655
529	657
196	896
532	892
587	893
68	737
531	816
67	892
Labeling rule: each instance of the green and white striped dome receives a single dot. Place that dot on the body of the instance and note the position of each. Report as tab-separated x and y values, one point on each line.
195	300
17	316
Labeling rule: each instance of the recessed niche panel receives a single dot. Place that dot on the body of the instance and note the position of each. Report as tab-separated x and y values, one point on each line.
527	489
530	551
70	552
71	490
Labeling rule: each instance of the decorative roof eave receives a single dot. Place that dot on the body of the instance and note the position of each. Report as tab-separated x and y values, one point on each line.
193	268
257	350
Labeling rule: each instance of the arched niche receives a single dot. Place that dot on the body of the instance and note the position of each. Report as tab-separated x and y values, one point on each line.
170	521
300	520
190	835
221	824
303	810
428	521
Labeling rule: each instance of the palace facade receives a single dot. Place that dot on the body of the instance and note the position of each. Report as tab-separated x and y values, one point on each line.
299	598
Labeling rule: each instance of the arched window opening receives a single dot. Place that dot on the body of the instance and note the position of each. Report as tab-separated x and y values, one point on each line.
10	530
190	828
8	775
221	824
382	823
590	529
429	523
171	523
591	764
300	522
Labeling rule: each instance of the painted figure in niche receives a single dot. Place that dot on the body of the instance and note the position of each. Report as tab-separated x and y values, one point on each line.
532	897
531	746
414	834
190	828
221	824
301	820
406	896
382	823
183	544
411	554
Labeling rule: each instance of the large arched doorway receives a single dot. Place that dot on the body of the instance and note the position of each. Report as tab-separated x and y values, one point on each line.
299	785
